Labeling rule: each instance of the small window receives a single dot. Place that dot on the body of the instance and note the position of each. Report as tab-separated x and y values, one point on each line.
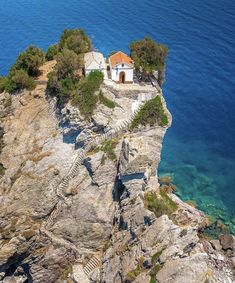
122	65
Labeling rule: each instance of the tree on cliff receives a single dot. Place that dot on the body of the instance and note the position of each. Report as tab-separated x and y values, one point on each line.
63	80
75	40
30	60
85	97
52	51
67	63
148	56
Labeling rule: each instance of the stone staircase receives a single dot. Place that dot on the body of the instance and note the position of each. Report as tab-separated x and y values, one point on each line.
73	171
54	214
63	243
92	264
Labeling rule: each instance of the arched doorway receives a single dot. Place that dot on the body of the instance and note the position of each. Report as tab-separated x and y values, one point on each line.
122	77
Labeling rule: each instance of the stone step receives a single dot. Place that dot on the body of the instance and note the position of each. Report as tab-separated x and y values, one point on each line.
91	265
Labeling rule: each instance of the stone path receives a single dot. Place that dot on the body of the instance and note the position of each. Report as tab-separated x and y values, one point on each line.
73	171
92	264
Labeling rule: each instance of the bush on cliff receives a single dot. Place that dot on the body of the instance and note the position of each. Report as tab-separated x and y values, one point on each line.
106	101
22	72
65	78
63	81
68	62
3	83
30	60
108	147
52	51
61	89
160	204
148	56
151	113
85	98
75	40
17	80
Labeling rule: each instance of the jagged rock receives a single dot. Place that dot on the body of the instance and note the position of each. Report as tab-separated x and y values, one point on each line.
216	245
79	275
60	205
111	270
233	261
143	277
192	269
15	279
95	275
138	153
102	116
188	215
7	251
227	242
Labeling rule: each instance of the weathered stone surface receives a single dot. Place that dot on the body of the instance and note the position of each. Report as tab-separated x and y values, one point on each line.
216	245
188	215
143	277
78	274
101	209
227	242
15	279
233	261
192	269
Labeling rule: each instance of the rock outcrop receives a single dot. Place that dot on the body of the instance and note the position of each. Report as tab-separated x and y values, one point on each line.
73	210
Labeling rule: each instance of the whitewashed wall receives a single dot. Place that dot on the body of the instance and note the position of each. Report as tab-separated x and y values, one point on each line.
126	69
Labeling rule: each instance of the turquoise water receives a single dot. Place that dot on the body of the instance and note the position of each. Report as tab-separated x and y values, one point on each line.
199	148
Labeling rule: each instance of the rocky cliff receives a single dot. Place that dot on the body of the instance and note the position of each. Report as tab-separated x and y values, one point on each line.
80	200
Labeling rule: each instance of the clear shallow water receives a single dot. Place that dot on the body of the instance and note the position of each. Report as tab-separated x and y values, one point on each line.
199	148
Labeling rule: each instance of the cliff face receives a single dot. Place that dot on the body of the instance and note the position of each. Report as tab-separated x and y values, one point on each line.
89	214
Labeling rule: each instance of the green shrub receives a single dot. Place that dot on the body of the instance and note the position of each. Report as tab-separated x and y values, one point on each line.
53	86
75	40
30	60
105	101
151	113
155	269
95	79
131	276
160	205
62	82
85	98
67	63
106	246
3	83
153	279
148	55
156	256
108	147
52	51
18	80
62	89
8	102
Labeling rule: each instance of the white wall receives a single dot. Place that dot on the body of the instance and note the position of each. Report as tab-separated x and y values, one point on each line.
128	71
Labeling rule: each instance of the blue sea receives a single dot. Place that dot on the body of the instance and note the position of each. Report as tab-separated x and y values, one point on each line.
199	148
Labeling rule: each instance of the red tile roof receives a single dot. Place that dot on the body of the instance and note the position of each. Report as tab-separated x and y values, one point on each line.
119	58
